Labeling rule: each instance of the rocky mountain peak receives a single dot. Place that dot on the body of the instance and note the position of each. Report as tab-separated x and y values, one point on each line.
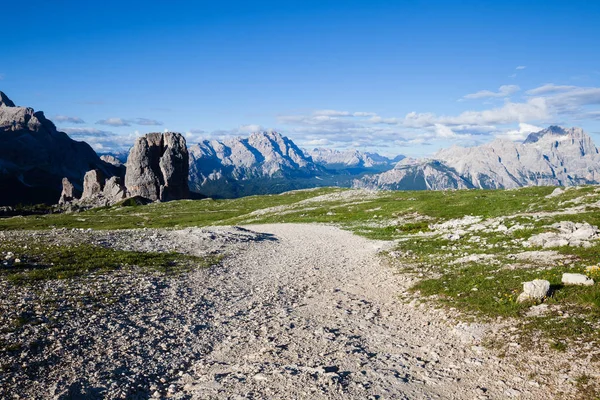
551	131
553	156
5	101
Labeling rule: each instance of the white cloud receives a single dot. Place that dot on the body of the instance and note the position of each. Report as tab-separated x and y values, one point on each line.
364	114
503	91
250	128
521	67
146	121
443	131
113	122
78	132
317	142
519	134
331	113
570	96
129	122
376	119
101	140
533	109
550	88
72	120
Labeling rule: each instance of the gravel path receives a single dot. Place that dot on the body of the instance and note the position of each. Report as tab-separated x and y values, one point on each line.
315	315
296	311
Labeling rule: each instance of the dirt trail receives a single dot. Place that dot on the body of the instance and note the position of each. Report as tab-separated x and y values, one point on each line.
315	315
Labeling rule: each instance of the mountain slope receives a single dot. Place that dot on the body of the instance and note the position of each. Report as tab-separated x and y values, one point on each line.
412	174
34	157
553	156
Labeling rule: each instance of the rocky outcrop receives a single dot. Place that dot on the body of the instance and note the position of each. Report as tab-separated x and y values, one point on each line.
69	192
554	156
93	181
158	170
158	167
114	190
111	160
97	191
35	157
576	279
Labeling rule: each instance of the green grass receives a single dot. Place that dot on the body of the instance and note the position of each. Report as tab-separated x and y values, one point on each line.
43	261
387	215
390	205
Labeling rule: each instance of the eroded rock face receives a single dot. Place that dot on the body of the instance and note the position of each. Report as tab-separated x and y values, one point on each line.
69	192
97	191
114	191
158	167
93	182
111	160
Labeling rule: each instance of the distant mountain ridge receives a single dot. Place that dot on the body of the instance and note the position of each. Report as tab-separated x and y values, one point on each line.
268	162
553	156
349	158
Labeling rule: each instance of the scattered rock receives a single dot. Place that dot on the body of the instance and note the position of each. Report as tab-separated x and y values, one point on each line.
576	279
534	290
569	234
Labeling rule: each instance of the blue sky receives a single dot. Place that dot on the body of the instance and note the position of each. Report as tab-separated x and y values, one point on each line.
403	77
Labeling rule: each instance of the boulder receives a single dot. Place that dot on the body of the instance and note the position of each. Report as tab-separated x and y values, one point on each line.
576	279
93	183
158	167
534	290
69	192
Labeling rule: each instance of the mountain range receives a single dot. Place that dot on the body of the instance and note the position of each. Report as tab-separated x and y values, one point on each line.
268	162
35	157
346	159
553	156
